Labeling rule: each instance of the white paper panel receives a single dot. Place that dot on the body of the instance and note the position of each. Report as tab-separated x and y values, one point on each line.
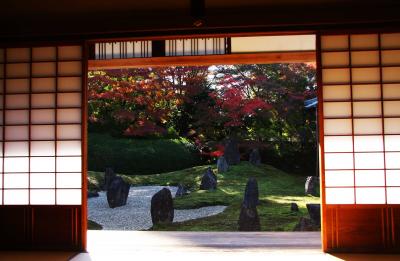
16	133
108	50
335	76
272	43
339	196
390	40
391	91
42	132
69	148
43	148
14	180
69	52
42	116
1	186
44	54
334	42
18	55
366	92
69	84
364	41
17	85
43	84
1	152
392	142
391	74
17	117
339	178
367	109
335	59
365	58
43	100
19	148
393	177
69	197
17	101
42	197
393	195
43	69
363	75
69	99
337	127
370	177
69	68
369	160
392	125
69	164
391	108
336	92
391	57
370	196
43	180
72	131
69	116
42	164
337	109
16	197
338	144
69	180
368	143
368	126
16	164
18	70
338	161
392	160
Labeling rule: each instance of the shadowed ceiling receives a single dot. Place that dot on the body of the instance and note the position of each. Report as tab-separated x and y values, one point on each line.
98	17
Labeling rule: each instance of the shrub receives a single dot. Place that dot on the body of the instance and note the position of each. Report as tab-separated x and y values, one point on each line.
139	156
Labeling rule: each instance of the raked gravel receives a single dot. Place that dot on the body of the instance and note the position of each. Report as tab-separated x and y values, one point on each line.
135	215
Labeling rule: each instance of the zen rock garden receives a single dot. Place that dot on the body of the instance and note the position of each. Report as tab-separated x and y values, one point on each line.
144	207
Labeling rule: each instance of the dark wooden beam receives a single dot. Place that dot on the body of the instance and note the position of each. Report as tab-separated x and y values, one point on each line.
253	58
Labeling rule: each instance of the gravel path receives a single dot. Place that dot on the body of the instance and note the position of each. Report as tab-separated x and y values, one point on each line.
135	215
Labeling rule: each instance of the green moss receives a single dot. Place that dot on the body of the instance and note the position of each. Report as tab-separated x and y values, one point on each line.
94	226
277	190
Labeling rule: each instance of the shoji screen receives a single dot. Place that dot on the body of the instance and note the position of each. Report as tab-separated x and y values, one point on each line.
41	136
360	76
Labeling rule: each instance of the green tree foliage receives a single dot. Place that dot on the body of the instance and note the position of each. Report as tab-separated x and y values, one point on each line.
262	104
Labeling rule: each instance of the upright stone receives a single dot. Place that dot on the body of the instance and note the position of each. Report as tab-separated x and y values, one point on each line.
162	207
117	192
312	185
231	152
209	180
294	207
314	210
181	191
222	165
305	224
249	219
109	175
251	194
255	157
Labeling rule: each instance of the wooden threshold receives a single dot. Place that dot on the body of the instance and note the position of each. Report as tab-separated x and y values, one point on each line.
251	58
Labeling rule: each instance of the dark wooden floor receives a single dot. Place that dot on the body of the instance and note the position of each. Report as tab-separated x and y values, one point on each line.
146	246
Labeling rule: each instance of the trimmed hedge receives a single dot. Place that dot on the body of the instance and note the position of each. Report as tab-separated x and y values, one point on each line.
140	156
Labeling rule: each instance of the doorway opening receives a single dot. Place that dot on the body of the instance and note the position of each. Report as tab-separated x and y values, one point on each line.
233	144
